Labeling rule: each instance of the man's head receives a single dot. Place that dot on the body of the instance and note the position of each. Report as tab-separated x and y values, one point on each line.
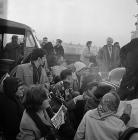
91	88
38	55
109	41
116	44
45	40
15	39
89	44
66	75
110	102
58	42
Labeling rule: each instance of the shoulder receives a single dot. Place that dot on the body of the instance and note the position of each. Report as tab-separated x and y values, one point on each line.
27	122
8	45
24	66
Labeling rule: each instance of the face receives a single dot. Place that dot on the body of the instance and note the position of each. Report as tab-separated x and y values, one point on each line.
109	42
69	79
46	104
15	40
91	92
50	77
42	60
58	42
20	91
89	45
45	40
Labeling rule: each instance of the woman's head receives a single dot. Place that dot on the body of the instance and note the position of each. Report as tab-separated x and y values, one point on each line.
12	87
35	97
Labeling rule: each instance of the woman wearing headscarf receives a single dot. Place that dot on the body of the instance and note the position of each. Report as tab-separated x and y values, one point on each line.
10	107
102	123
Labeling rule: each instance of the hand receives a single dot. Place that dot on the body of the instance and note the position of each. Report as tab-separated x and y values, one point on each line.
128	109
78	98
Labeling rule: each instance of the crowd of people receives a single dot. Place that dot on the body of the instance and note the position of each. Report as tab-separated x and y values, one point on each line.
86	101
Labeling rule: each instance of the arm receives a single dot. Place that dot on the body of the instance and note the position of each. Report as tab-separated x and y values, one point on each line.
62	51
99	57
80	134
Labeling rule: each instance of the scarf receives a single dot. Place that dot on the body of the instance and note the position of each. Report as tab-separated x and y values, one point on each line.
107	106
46	131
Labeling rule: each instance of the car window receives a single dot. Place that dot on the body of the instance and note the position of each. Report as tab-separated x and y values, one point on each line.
30	40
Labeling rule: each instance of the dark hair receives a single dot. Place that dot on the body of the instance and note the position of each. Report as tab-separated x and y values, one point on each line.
88	42
59	40
45	38
116	43
34	98
102	90
65	73
36	53
91	85
14	37
10	86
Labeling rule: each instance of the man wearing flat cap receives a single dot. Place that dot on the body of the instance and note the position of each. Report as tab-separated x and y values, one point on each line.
108	56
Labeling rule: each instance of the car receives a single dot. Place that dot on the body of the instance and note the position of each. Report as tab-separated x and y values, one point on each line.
28	42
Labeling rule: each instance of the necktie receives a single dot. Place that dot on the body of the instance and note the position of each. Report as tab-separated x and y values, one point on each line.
110	51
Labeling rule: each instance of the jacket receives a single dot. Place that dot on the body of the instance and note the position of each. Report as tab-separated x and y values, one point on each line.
92	127
105	61
25	73
85	56
28	128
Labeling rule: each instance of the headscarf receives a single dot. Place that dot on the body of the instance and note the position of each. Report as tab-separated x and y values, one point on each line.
108	105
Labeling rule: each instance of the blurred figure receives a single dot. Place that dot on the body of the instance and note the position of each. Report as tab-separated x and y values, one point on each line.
102	123
96	92
116	44
34	73
11	108
56	70
12	49
59	50
86	53
48	47
108	57
129	85
35	122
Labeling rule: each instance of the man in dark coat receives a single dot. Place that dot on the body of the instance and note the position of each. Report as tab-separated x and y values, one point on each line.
48	47
59	50
129	58
12	49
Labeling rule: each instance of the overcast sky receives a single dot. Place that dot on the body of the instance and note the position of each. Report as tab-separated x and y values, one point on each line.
77	21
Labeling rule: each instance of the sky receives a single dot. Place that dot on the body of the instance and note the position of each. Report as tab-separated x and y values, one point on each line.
77	21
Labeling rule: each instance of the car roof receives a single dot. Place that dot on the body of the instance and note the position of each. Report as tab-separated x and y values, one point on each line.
12	27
